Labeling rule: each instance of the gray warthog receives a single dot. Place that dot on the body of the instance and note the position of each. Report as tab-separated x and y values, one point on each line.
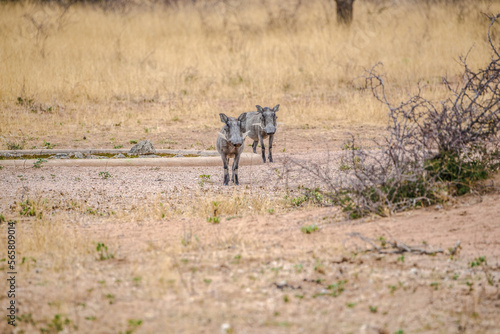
230	143
261	124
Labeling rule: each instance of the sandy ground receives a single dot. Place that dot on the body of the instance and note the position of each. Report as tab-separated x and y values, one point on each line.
255	271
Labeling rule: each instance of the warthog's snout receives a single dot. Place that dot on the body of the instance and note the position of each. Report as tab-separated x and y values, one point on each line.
270	130
237	142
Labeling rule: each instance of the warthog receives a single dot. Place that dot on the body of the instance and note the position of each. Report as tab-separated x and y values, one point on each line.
230	143
261	124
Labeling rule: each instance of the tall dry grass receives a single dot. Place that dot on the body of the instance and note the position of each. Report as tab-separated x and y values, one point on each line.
85	67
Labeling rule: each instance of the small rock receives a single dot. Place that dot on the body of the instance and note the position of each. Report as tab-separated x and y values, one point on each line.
143	147
439	207
119	156
414	271
281	285
178	156
61	156
78	155
226	328
91	156
148	156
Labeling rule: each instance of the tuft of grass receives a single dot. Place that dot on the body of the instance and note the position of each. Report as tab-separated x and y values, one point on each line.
27	208
308	229
478	261
102	252
105	175
38	163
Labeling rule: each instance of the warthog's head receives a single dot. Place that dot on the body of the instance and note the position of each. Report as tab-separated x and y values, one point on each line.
268	119
235	128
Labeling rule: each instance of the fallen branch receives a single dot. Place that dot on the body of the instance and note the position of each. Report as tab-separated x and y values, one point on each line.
392	246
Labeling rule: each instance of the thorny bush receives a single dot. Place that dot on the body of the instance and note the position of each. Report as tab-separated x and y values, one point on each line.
433	150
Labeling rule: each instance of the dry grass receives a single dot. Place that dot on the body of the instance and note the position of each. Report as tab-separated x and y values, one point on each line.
142	71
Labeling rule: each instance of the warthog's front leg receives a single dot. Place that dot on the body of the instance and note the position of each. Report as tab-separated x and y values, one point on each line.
235	169
254	146
263	148
225	161
271	137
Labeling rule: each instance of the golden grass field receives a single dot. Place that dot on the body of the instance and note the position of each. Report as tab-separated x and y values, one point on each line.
136	253
67	73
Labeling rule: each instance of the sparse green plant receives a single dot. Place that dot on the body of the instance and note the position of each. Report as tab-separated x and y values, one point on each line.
214	220
137	280
57	324
349	146
319	267
38	163
118	146
2	218
28	260
15	145
48	145
92	211
337	288
27	208
105	175
237	258
401	259
270	211
308	229
373	309
478	261
435	285
312	196
110	297
207	280
133	325
383	242
102	252
26	318
202	179
133	141
351	305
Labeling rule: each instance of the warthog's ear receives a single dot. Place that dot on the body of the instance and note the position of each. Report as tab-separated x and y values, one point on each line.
243	117
276	107
223	118
259	109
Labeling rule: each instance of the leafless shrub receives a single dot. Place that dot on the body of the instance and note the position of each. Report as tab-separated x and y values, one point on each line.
433	150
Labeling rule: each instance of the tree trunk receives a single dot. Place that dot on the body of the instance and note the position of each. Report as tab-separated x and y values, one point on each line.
344	11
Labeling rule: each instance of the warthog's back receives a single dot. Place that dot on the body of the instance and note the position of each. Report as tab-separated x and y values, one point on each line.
253	124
